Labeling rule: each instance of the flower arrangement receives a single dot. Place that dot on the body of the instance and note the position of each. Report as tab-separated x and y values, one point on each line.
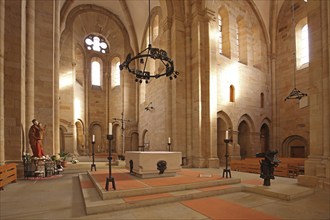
63	155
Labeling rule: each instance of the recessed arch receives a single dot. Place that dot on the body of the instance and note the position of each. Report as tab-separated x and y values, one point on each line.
295	146
223	123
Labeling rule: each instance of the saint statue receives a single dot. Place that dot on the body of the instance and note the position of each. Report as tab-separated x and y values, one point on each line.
36	136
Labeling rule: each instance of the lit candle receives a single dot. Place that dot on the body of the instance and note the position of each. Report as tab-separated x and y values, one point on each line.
110	128
93	138
227	135
169	140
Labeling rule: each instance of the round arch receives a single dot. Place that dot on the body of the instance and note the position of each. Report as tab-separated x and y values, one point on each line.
223	123
295	146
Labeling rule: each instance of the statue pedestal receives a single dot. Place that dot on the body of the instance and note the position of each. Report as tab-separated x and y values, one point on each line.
152	164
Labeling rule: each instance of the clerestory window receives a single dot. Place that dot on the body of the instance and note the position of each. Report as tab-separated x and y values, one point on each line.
220	33
96	73
302	44
115	72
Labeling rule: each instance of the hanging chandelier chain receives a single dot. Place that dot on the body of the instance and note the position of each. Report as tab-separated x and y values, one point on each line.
140	69
294	53
149	25
295	93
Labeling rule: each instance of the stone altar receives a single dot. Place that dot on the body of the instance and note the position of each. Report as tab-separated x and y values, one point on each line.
151	164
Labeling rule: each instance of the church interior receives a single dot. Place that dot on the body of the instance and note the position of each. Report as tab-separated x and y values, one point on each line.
219	81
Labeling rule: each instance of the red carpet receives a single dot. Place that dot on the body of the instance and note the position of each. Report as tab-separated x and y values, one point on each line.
257	182
124	181
216	208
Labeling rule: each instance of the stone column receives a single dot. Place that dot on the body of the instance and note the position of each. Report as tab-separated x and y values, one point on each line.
198	159
211	87
204	112
188	152
56	97
29	107
167	25
2	126
317	165
275	138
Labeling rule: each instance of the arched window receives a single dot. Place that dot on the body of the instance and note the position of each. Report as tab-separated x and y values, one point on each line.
224	28
220	33
155	27
232	93
262	100
302	44
96	73
115	72
96	43
237	40
241	40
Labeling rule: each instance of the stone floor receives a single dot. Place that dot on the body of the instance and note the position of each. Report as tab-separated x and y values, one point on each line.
61	198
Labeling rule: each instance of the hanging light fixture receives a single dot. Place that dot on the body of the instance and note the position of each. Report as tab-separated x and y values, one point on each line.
295	93
149	53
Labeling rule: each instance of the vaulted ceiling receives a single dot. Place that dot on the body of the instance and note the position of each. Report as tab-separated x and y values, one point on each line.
136	11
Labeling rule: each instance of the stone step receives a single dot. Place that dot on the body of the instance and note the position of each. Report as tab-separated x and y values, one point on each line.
111	194
95	204
128	199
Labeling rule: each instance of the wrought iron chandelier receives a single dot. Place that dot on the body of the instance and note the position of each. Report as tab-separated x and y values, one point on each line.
295	93
142	58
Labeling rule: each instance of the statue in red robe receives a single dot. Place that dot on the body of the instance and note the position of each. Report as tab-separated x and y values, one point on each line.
36	134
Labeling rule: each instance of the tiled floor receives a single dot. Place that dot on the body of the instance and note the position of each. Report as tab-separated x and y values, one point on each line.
61	198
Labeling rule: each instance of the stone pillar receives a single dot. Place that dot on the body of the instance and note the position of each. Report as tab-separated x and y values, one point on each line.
275	137
198	159
2	54
56	97
204	112
167	26
317	165
188	152
29	107
14	76
211	87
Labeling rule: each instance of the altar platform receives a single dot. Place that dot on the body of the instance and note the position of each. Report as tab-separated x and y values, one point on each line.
188	184
288	199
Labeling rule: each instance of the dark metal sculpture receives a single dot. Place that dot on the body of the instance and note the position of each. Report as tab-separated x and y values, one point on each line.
161	166
268	165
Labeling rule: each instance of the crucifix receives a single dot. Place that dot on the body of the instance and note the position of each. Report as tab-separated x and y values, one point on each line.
123	121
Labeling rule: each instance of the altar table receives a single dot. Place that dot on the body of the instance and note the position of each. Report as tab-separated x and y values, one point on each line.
151	164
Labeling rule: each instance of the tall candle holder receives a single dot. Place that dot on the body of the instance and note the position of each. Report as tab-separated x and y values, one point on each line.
93	165
226	170
110	178
169	146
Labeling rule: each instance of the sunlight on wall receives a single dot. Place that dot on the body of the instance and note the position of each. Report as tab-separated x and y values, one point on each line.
229	76
213	93
77	109
66	80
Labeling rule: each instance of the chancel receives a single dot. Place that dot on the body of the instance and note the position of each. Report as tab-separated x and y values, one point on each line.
194	91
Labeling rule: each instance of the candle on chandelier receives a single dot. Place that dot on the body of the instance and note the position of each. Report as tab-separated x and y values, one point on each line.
93	138
227	135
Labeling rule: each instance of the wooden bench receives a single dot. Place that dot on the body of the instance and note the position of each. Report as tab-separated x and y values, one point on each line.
8	174
289	167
